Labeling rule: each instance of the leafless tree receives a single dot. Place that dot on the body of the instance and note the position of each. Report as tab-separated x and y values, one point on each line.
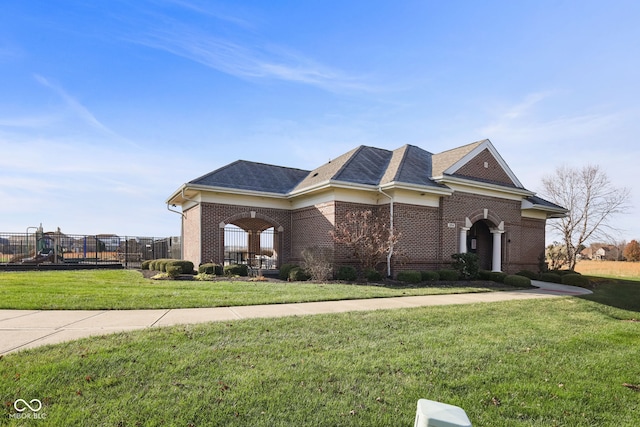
592	201
369	237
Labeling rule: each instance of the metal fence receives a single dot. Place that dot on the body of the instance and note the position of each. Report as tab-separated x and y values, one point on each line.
257	250
58	248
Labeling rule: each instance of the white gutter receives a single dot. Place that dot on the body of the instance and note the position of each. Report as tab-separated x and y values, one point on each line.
390	254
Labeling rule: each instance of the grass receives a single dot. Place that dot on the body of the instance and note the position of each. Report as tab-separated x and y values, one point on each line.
126	289
610	269
560	362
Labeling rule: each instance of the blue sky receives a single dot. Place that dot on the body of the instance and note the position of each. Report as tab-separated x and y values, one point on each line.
107	107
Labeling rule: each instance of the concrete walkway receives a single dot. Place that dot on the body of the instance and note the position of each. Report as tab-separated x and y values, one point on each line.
22	329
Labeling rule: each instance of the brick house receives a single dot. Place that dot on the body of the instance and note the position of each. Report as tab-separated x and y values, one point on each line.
462	200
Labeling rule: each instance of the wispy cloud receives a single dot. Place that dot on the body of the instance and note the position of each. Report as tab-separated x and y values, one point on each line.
79	109
236	52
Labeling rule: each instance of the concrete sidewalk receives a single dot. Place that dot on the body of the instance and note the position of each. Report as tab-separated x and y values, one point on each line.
22	329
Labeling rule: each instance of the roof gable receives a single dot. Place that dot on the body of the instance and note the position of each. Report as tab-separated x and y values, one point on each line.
479	161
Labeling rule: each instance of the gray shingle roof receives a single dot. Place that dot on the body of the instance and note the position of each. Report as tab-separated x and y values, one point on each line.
245	175
362	165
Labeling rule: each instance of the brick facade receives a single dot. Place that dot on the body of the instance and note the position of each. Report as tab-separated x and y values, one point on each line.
465	197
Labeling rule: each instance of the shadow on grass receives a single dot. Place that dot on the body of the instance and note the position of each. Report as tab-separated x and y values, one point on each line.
618	293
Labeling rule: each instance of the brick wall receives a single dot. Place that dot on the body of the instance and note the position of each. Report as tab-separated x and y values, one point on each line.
310	227
492	172
426	241
191	239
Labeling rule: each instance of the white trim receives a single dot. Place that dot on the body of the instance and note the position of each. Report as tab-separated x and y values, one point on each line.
483	188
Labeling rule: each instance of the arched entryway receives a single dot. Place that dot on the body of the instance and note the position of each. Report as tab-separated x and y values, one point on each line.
482	235
480	242
251	239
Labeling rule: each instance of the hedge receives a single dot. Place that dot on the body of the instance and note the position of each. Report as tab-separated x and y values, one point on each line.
410	276
576	280
173	271
449	275
373	275
236	270
528	273
347	272
517	281
551	277
429	276
284	271
298	274
145	264
186	266
211	268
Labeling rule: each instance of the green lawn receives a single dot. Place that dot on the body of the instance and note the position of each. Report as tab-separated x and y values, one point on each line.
560	362
126	289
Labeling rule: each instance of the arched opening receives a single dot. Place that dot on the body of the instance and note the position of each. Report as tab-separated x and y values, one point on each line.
252	241
480	242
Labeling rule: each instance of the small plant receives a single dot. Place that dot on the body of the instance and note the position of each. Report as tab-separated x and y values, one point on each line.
318	262
466	265
410	276
429	276
449	275
204	277
347	272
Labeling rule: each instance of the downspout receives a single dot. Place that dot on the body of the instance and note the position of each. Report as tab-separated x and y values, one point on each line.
185	198
390	253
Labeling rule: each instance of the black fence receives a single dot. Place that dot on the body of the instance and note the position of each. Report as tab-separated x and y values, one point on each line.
256	250
55	248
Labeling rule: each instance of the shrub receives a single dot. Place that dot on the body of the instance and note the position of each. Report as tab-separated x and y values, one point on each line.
528	273
186	266
318	262
449	275
211	268
575	280
236	270
373	275
498	276
145	264
484	275
298	274
564	272
551	277
429	276
347	272
173	271
160	264
410	276
517	281
284	271
466	265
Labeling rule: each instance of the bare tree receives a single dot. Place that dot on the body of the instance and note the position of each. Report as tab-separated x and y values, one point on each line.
591	199
367	236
